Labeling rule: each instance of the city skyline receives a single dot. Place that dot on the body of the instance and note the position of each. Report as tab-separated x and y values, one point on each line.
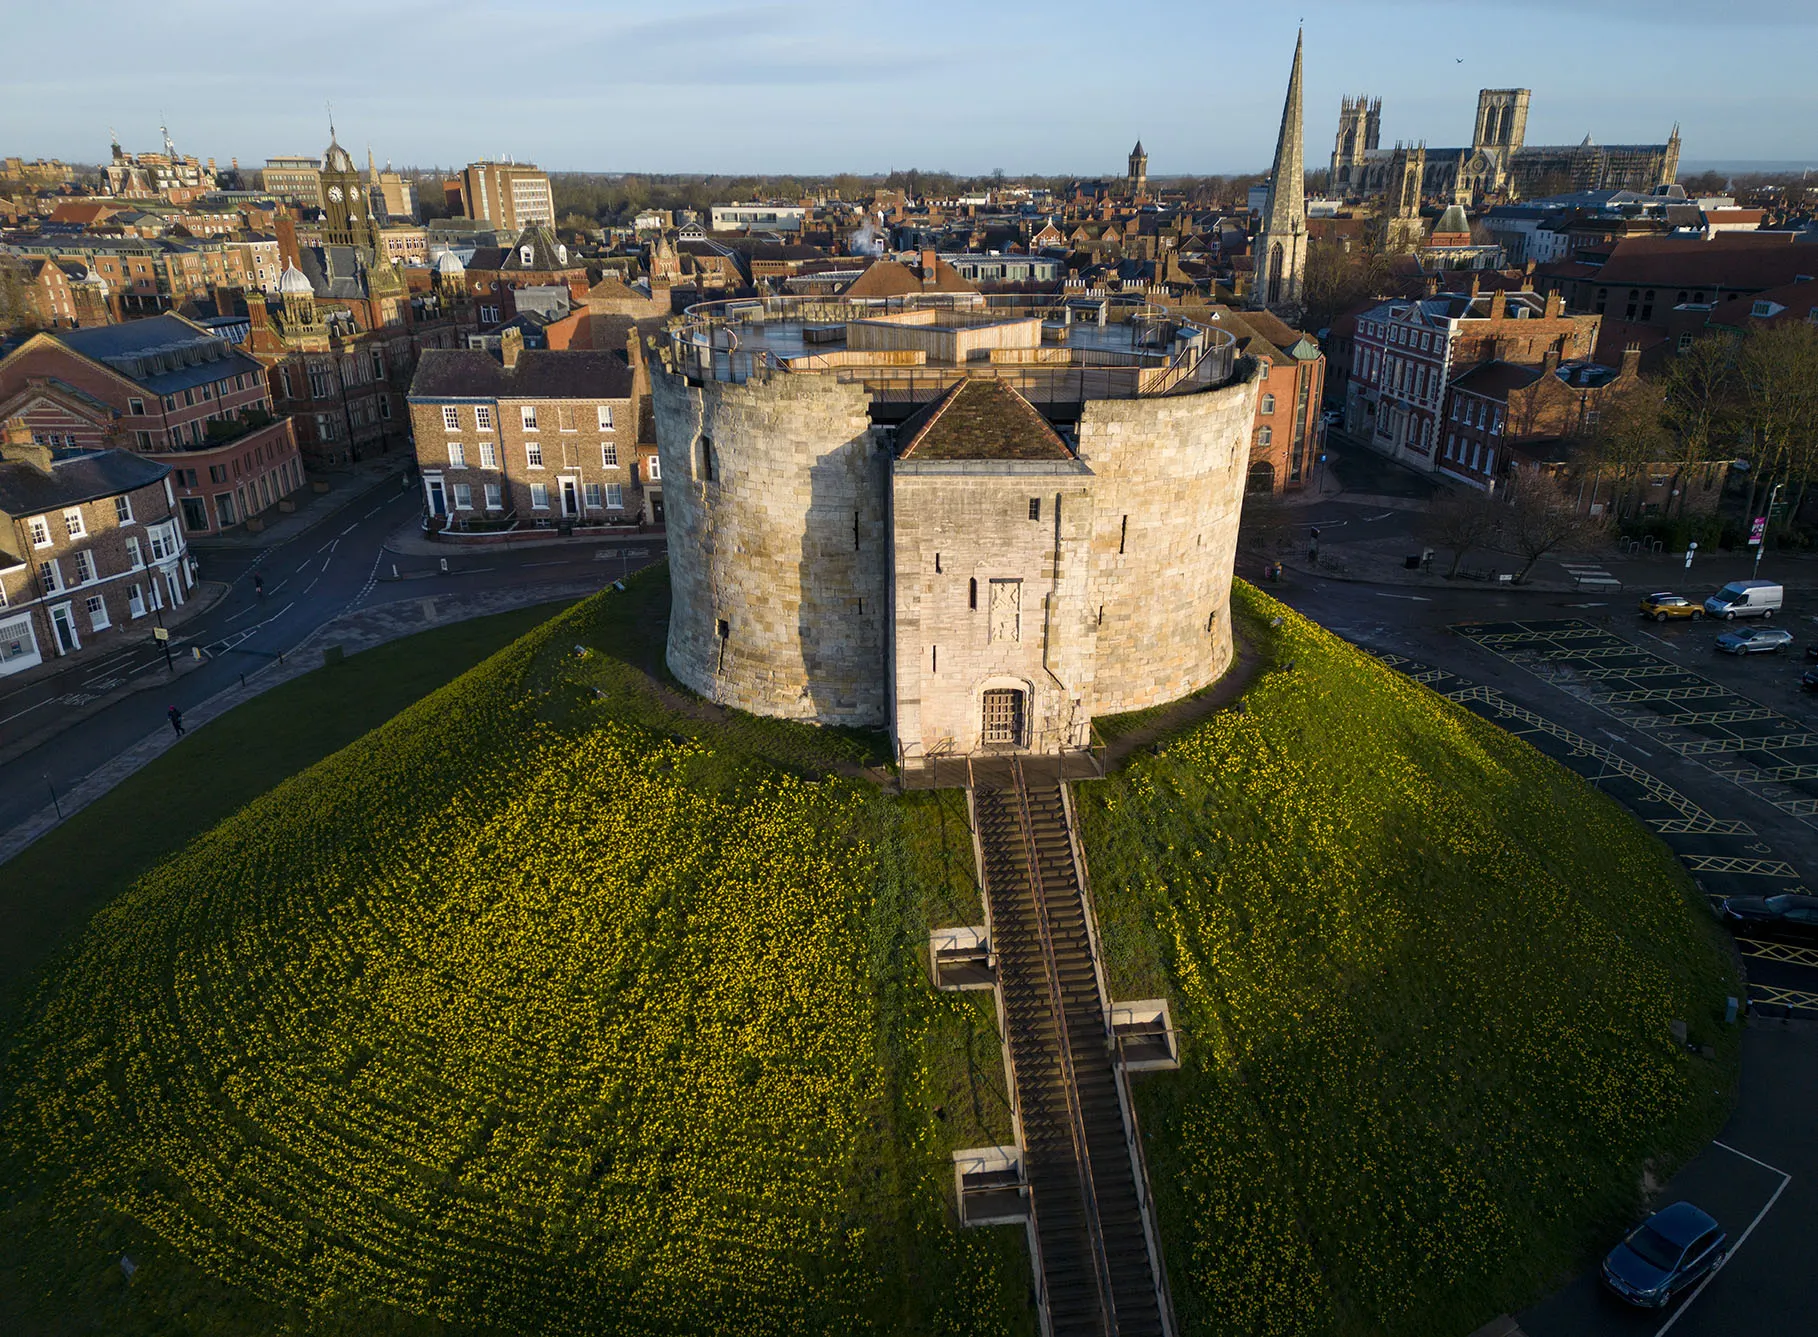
706	82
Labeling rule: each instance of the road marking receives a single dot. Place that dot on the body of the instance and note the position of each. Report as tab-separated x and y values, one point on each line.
312	584
243	612
1416	598
1611	733
345	532
1652	637
1785	1179
1584	605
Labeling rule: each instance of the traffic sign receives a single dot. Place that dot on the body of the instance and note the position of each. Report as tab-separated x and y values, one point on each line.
160	633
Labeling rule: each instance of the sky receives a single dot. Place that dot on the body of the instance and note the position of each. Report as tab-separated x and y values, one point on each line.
1062	87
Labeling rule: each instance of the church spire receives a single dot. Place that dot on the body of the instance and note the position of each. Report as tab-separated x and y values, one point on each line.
1281	243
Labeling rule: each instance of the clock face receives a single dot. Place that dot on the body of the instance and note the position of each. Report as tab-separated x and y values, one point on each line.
334	193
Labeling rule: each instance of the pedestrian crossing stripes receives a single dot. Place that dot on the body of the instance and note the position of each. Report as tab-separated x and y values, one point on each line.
1586	574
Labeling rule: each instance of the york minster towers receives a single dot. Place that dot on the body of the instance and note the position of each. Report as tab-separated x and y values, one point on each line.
1281	242
1359	131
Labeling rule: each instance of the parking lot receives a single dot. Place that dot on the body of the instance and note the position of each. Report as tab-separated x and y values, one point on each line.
1764	742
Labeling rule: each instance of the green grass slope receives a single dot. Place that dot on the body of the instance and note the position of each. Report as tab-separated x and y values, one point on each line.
557	1004
1424	979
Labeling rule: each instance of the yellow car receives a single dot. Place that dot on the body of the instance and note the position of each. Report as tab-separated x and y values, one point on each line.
1660	607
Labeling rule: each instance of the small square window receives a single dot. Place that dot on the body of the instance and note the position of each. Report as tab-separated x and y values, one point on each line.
451	418
72	523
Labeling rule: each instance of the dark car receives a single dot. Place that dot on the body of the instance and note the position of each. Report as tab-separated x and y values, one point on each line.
1790	914
1663	1255
1809	680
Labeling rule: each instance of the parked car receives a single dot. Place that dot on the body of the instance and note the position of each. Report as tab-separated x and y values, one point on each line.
1811	651
1754	640
1790	914
1809	680
1662	606
1745	598
1663	1255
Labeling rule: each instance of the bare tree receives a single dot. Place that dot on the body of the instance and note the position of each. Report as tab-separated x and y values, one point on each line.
1629	436
1700	405
1462	522
1777	371
1543	518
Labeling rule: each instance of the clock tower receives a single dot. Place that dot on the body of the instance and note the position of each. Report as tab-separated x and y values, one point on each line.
346	220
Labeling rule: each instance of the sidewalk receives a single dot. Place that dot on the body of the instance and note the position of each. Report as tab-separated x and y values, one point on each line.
351	632
78	704
1384	562
312	506
409	540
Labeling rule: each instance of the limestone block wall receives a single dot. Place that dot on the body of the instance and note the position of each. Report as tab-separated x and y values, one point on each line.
985	595
777	545
1168	486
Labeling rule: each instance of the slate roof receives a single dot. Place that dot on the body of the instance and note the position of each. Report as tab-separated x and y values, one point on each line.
543	251
74	479
541	373
981	418
1494	380
141	338
1730	260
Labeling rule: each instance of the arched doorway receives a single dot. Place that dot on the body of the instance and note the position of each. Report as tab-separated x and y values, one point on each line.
1261	478
1005	717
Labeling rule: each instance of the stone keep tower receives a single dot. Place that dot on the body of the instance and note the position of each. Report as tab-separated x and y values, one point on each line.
1139	172
945	515
1281	242
1359	130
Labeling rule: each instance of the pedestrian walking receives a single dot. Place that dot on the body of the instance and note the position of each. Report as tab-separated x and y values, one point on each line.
259	586
176	720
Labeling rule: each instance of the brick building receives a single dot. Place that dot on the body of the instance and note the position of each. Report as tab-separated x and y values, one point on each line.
1287	436
168	389
525	439
535	260
1404	354
1504	420
89	546
512	196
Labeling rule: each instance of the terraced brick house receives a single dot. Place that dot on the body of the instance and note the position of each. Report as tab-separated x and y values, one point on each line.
514	438
91	548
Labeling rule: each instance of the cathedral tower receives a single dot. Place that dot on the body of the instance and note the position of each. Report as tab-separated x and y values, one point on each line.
1407	177
1359	128
1281	243
1139	172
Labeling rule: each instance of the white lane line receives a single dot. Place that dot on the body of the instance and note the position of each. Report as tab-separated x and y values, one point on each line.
28	710
1652	637
280	585
312	584
242	613
1417	598
1785	1179
1611	733
345	532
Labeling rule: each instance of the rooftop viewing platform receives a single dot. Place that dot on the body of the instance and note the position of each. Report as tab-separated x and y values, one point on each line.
1056	350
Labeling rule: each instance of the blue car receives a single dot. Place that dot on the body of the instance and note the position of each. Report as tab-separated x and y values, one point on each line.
1663	1255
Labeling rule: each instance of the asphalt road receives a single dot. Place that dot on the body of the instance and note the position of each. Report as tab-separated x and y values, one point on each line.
336	565
1709	751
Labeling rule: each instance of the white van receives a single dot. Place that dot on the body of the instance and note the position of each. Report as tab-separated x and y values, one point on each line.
1745	598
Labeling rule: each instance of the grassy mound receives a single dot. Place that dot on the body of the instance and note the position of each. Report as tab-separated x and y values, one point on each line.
1424	978
529	1012
564	1002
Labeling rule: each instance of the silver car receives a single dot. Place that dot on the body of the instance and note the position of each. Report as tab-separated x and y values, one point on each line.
1754	640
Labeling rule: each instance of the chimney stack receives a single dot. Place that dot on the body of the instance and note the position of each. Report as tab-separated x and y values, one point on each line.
17	446
929	261
1555	305
1549	361
286	228
511	344
1499	304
